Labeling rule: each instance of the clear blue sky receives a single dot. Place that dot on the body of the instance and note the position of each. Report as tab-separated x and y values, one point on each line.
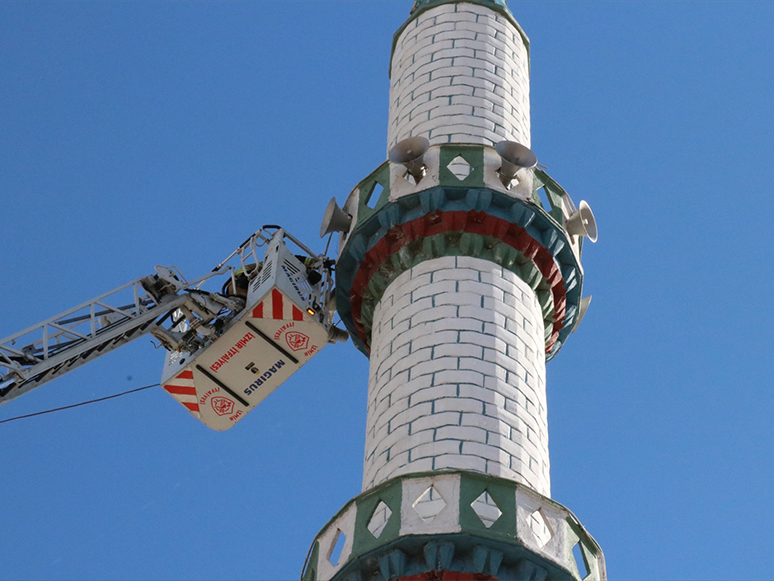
135	134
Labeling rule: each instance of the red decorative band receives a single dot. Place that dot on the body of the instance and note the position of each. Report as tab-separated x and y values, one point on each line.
472	222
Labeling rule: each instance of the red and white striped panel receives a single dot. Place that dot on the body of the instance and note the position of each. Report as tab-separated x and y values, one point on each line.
276	306
183	390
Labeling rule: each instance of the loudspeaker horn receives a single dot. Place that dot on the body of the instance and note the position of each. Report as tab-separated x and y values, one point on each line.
582	222
582	308
410	153
336	335
335	219
515	157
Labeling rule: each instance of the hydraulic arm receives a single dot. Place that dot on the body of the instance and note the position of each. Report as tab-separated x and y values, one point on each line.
189	322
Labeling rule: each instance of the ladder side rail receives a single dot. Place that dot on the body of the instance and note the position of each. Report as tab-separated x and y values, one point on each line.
7	341
61	332
49	337
62	343
106	340
63	340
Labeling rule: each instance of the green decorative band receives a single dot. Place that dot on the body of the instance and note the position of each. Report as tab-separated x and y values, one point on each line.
380	179
445	221
455	521
510	249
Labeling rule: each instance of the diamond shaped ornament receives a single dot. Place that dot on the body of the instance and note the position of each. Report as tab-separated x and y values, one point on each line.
459	167
379	519
486	509
540	528
429	504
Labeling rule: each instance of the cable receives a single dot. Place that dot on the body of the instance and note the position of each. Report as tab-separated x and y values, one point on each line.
327	244
75	405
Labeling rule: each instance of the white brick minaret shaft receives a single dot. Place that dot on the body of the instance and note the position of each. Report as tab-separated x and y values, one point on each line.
460	73
457	366
458	283
458	375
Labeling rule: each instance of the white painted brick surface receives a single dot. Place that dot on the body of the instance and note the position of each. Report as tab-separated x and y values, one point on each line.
450	386
460	74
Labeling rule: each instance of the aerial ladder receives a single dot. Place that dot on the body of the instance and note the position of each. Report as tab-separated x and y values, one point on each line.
226	350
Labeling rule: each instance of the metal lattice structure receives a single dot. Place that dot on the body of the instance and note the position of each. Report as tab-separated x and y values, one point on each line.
79	335
186	320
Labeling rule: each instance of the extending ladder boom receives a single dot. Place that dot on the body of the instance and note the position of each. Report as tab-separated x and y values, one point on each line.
279	303
49	349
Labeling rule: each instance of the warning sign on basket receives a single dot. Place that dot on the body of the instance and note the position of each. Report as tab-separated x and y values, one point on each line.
222	405
260	351
297	341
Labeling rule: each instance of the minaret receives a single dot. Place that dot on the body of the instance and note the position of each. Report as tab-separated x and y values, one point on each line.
458	283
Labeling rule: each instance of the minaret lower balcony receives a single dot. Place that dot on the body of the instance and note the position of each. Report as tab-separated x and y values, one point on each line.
460	207
453	525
